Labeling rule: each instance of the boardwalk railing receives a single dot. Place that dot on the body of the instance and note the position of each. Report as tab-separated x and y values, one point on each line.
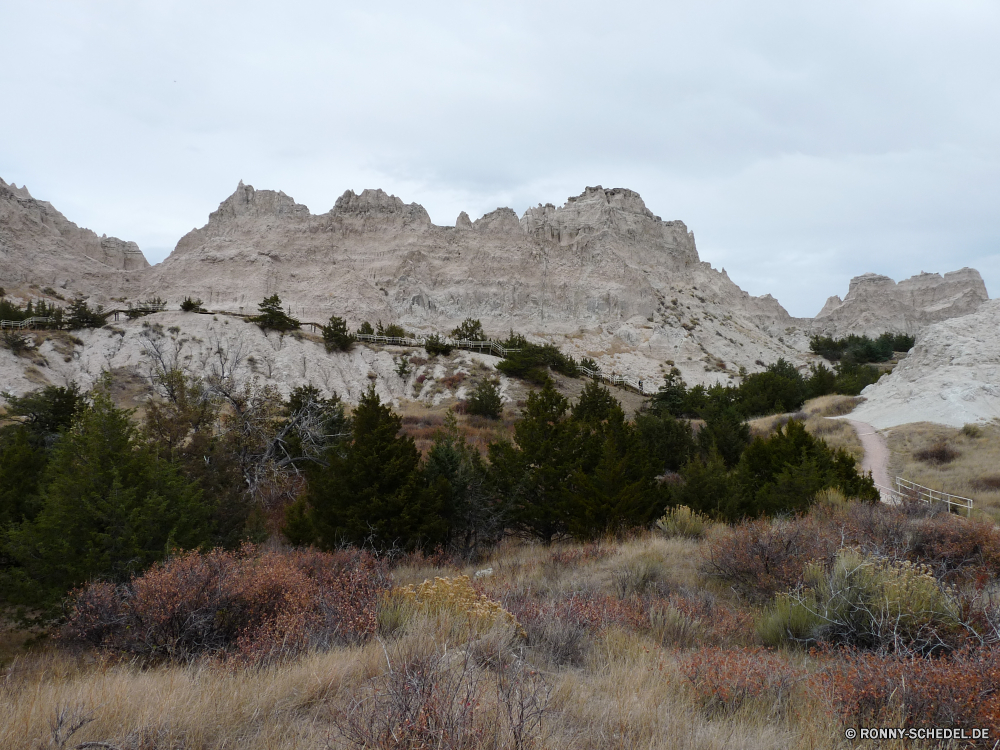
490	347
26	323
904	489
622	381
479	346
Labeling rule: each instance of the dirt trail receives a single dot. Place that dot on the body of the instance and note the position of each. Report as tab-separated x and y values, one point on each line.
876	458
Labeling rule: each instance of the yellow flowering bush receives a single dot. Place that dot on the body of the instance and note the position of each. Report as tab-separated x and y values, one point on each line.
456	596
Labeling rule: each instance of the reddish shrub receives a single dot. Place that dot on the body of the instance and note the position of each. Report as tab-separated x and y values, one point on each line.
954	690
937	454
761	558
576	555
725	679
957	549
721	623
252	604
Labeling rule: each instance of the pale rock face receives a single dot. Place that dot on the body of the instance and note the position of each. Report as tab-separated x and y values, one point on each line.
203	345
600	276
38	245
876	303
596	276
951	376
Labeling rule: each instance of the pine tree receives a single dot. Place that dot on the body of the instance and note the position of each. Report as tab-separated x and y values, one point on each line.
335	335
458	472
613	488
531	471
108	507
272	317
486	400
371	491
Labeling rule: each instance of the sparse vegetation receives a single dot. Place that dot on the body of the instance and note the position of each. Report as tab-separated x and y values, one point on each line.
486	400
272	317
192	305
858	350
569	574
336	336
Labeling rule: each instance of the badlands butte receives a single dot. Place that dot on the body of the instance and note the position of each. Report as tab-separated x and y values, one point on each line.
600	276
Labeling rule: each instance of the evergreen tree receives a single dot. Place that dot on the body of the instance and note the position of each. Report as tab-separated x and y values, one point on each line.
108	506
82	316
669	442
486	400
272	317
671	398
708	486
595	405
470	330
336	336
531	471
25	447
370	491
612	487
783	473
457	472
726	432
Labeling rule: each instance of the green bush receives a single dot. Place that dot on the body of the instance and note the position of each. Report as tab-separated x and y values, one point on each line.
81	315
435	345
191	305
392	331
336	336
861	349
471	330
866	602
366	329
533	361
486	400
853	378
272	317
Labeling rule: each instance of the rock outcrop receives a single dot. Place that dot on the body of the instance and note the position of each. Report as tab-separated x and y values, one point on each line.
39	246
876	303
952	376
601	276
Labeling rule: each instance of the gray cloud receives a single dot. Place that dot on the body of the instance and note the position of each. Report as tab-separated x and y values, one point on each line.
803	143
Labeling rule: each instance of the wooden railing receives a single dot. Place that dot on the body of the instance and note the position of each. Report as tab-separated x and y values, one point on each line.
904	489
497	349
26	323
492	347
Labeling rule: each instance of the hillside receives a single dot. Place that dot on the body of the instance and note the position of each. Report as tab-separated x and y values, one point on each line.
40	246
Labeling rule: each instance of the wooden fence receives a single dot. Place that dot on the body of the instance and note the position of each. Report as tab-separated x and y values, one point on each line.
905	490
489	347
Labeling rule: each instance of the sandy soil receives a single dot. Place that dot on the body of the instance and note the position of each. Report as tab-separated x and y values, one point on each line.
876	459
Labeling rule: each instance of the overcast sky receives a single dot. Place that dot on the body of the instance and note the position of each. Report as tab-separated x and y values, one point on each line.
803	142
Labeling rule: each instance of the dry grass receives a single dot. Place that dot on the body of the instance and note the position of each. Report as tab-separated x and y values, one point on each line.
624	689
816	414
973	471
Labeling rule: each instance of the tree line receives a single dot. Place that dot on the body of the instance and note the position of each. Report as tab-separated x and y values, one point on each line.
87	492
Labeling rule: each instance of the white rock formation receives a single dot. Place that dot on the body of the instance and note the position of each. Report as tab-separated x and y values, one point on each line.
876	303
601	276
204	344
38	245
951	376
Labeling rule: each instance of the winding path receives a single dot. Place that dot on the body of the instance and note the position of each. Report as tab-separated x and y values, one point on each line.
876	459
